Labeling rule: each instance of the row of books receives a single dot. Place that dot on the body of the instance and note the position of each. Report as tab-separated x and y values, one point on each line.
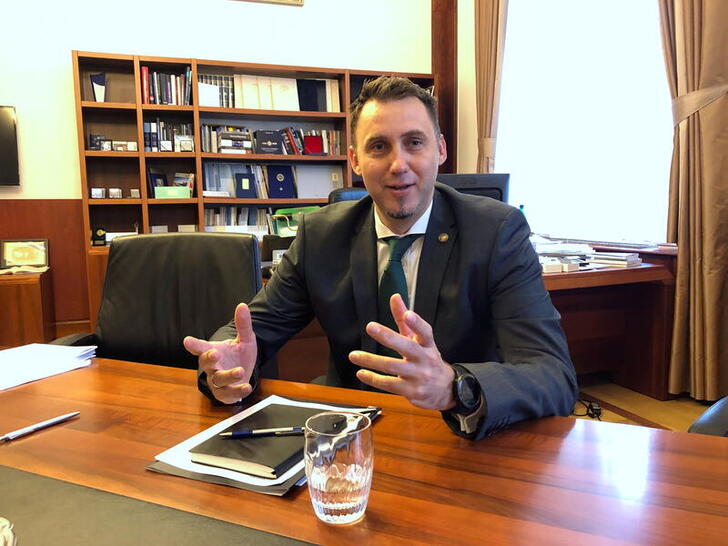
232	139
237	216
255	181
163	136
310	142
268	93
226	139
164	88
248	181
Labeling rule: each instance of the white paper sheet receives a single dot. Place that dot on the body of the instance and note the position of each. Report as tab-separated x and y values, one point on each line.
35	361
179	455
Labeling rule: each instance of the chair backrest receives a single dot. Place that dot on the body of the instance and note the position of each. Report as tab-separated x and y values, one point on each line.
346	194
494	185
714	420
160	288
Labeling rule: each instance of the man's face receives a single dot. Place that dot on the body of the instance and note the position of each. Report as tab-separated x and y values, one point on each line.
397	154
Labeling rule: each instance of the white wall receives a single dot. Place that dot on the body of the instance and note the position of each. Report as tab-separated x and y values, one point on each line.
38	36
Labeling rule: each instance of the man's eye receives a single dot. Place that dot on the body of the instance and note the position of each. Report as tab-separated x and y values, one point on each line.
376	146
416	142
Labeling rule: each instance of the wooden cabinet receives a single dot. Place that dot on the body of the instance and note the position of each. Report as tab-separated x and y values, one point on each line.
26	309
127	111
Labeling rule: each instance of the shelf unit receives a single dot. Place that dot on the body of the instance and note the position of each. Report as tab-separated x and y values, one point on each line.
122	117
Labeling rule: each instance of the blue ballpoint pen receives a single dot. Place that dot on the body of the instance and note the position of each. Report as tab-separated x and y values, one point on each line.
260	432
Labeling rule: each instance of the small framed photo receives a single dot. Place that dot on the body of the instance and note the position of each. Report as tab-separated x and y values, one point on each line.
106	145
115	193
131	146
165	146
16	252
94	141
119	146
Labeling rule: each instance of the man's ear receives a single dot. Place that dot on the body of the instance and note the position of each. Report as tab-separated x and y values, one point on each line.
353	160
442	149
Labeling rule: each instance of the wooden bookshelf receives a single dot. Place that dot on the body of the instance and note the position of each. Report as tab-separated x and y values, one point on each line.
122	115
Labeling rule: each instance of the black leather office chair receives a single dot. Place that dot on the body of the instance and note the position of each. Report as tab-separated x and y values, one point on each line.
160	288
714	421
346	194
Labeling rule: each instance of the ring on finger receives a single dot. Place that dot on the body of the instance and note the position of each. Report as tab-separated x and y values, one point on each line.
212	382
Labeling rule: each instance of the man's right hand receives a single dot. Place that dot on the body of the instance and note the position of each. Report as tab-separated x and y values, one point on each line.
228	364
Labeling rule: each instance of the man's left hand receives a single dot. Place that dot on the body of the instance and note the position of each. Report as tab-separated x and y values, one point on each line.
420	375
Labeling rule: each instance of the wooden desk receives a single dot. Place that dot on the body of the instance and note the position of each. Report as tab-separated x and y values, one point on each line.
618	320
26	309
553	481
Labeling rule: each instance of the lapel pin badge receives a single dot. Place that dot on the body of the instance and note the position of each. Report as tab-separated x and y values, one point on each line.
443	237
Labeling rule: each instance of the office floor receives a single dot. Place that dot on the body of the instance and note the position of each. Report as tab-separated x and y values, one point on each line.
620	405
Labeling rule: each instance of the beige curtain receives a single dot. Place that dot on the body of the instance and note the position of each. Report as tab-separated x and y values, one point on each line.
490	33
695	41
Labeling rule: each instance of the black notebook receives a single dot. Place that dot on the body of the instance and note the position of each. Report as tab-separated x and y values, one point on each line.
267	456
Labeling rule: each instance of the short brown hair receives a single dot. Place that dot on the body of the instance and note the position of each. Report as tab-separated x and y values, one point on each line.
390	88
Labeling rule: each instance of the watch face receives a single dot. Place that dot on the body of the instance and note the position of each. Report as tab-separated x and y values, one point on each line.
468	391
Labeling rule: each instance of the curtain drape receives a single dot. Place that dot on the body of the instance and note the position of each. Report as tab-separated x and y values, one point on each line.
490	32
695	43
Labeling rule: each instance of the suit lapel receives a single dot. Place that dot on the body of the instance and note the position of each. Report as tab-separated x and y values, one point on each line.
438	245
364	278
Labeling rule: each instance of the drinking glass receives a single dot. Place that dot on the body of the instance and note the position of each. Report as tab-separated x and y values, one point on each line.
339	462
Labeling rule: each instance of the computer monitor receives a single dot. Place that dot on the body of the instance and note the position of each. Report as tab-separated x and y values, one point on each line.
493	185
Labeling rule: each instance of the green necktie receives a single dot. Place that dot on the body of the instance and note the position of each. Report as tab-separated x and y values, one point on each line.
393	281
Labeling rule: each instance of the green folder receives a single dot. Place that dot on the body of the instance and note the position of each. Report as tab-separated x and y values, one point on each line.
285	221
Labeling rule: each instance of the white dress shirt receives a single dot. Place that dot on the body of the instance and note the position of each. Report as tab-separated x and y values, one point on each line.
411	258
411	265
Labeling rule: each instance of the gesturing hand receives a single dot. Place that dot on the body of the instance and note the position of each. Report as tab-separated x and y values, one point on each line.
228	364
421	375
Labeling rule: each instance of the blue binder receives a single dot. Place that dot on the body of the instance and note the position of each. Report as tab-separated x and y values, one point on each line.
245	186
281	182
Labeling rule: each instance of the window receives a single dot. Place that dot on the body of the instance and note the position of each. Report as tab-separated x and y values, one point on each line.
585	123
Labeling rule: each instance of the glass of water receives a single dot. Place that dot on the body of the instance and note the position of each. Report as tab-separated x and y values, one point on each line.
339	461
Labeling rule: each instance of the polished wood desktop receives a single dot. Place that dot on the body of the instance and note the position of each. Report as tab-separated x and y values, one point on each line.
553	481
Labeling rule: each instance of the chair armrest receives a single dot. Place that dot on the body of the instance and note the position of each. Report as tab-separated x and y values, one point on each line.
714	420
76	340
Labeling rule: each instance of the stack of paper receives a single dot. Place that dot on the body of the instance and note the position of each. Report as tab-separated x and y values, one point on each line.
35	361
177	460
615	259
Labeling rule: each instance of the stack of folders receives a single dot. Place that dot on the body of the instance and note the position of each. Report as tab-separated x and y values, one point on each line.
35	361
615	259
559	264
266	464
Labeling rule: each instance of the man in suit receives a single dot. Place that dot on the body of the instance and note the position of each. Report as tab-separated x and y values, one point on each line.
482	343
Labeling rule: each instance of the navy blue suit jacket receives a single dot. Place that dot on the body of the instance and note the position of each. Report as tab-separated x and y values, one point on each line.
480	288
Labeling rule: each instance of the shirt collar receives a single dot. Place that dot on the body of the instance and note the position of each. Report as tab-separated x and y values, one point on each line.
419	227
